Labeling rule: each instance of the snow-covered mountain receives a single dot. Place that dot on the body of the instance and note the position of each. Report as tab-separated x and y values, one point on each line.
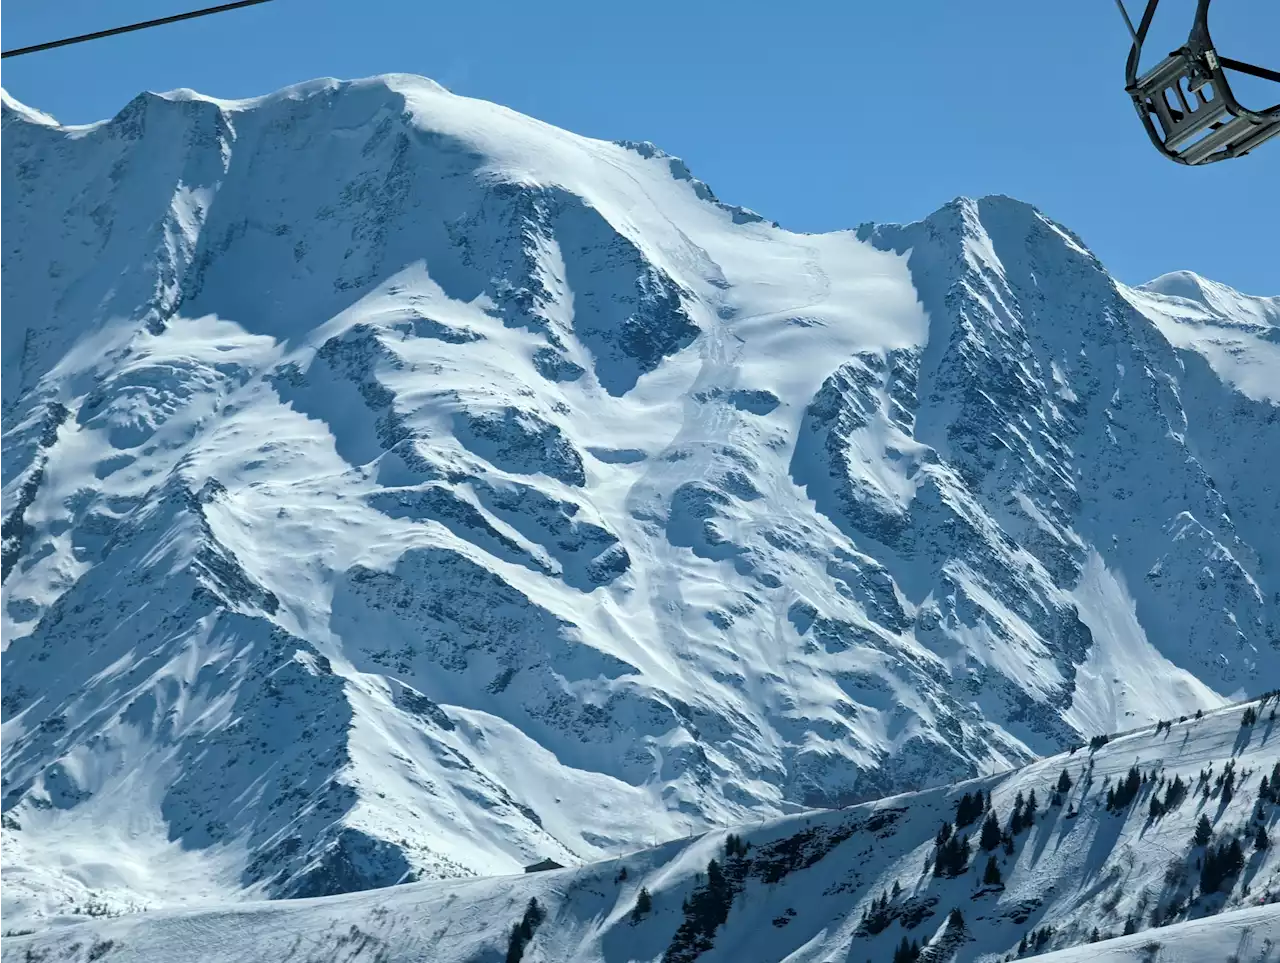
396	487
1035	869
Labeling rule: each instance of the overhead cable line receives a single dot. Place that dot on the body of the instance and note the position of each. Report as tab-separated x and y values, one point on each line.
129	28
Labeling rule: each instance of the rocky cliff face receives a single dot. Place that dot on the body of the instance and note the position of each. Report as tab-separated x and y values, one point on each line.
398	487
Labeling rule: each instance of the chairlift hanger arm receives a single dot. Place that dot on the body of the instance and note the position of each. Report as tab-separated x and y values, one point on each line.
129	28
1244	68
1139	35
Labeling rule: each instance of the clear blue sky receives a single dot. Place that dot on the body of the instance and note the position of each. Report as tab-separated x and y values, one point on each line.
820	114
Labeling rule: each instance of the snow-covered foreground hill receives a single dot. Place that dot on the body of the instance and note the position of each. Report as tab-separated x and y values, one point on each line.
1248	935
396	487
849	884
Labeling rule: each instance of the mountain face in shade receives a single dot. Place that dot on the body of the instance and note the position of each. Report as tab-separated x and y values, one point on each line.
397	487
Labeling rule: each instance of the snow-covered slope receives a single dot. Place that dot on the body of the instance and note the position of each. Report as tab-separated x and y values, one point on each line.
398	487
1247	936
847	884
1238	336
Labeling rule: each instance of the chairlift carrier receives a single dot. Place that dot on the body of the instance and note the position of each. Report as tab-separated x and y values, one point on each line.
1185	101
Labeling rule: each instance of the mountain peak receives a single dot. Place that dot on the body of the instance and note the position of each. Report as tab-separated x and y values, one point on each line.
1181	284
981	230
610	513
1217	299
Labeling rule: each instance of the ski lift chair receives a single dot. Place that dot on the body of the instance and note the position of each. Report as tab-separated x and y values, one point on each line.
1185	101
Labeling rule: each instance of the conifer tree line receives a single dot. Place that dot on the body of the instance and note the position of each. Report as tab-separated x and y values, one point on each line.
1175	791
970	807
1221	863
908	951
1218	857
1123	794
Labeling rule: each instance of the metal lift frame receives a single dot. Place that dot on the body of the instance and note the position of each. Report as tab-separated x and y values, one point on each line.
1185	123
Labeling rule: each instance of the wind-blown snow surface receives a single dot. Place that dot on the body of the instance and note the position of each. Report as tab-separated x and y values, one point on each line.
1248	935
805	887
397	487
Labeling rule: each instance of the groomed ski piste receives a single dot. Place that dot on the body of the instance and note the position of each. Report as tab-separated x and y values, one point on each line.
853	884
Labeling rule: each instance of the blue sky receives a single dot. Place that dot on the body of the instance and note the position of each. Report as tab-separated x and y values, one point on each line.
817	113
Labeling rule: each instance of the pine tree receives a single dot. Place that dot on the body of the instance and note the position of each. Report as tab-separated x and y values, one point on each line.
991	875
952	857
907	952
516	942
1220	864
955	919
1204	831
1064	782
1124	793
715	878
944	833
1260	839
1234	858
969	808
734	845
989	838
644	905
522	932
1157	808
706	908
877	918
